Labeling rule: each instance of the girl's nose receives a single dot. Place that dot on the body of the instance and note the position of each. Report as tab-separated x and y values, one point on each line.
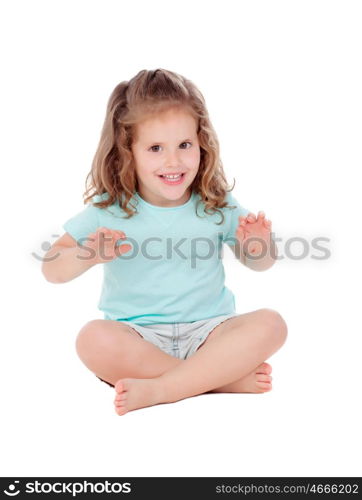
172	160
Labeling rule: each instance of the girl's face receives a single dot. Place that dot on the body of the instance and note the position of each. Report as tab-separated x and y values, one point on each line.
166	144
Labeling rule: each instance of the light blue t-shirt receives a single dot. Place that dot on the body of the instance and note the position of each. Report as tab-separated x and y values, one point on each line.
174	271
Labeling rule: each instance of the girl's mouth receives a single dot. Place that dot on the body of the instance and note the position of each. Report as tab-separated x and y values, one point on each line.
172	181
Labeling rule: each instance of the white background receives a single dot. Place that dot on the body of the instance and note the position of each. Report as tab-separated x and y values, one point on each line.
282	82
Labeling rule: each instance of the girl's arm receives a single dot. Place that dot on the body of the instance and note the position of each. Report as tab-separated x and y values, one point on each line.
66	259
268	260
256	264
62	263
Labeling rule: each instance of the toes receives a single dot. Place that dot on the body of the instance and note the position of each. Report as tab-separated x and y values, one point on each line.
264	385
121	410
119	386
122	385
118	404
121	400
260	377
264	368
267	367
120	397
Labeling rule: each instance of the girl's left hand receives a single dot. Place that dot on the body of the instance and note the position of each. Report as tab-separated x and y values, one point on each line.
251	230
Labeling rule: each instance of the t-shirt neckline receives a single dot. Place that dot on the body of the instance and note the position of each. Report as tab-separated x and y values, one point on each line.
156	207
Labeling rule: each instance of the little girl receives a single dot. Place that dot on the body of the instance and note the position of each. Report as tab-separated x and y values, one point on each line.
170	330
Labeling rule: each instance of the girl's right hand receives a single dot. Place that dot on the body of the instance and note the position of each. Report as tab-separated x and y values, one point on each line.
103	243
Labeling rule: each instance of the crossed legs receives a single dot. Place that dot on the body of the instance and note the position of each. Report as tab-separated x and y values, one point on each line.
143	375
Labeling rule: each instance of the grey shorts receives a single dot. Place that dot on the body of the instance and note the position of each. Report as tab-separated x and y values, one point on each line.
180	340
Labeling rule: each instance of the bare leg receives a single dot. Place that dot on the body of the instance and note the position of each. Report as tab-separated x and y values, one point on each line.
113	350
258	380
247	341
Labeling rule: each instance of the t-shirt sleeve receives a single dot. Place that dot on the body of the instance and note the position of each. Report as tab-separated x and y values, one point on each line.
232	219
82	224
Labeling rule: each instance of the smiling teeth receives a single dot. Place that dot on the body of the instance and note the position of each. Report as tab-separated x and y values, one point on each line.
172	176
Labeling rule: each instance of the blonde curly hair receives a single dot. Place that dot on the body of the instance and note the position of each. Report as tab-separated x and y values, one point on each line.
148	93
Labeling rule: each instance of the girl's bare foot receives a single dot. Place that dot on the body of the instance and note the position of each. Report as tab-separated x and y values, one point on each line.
133	393
258	381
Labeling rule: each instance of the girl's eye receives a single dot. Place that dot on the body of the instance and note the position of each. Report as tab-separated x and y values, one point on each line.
157	146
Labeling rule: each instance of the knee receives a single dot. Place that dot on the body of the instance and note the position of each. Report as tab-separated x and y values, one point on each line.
89	336
276	325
